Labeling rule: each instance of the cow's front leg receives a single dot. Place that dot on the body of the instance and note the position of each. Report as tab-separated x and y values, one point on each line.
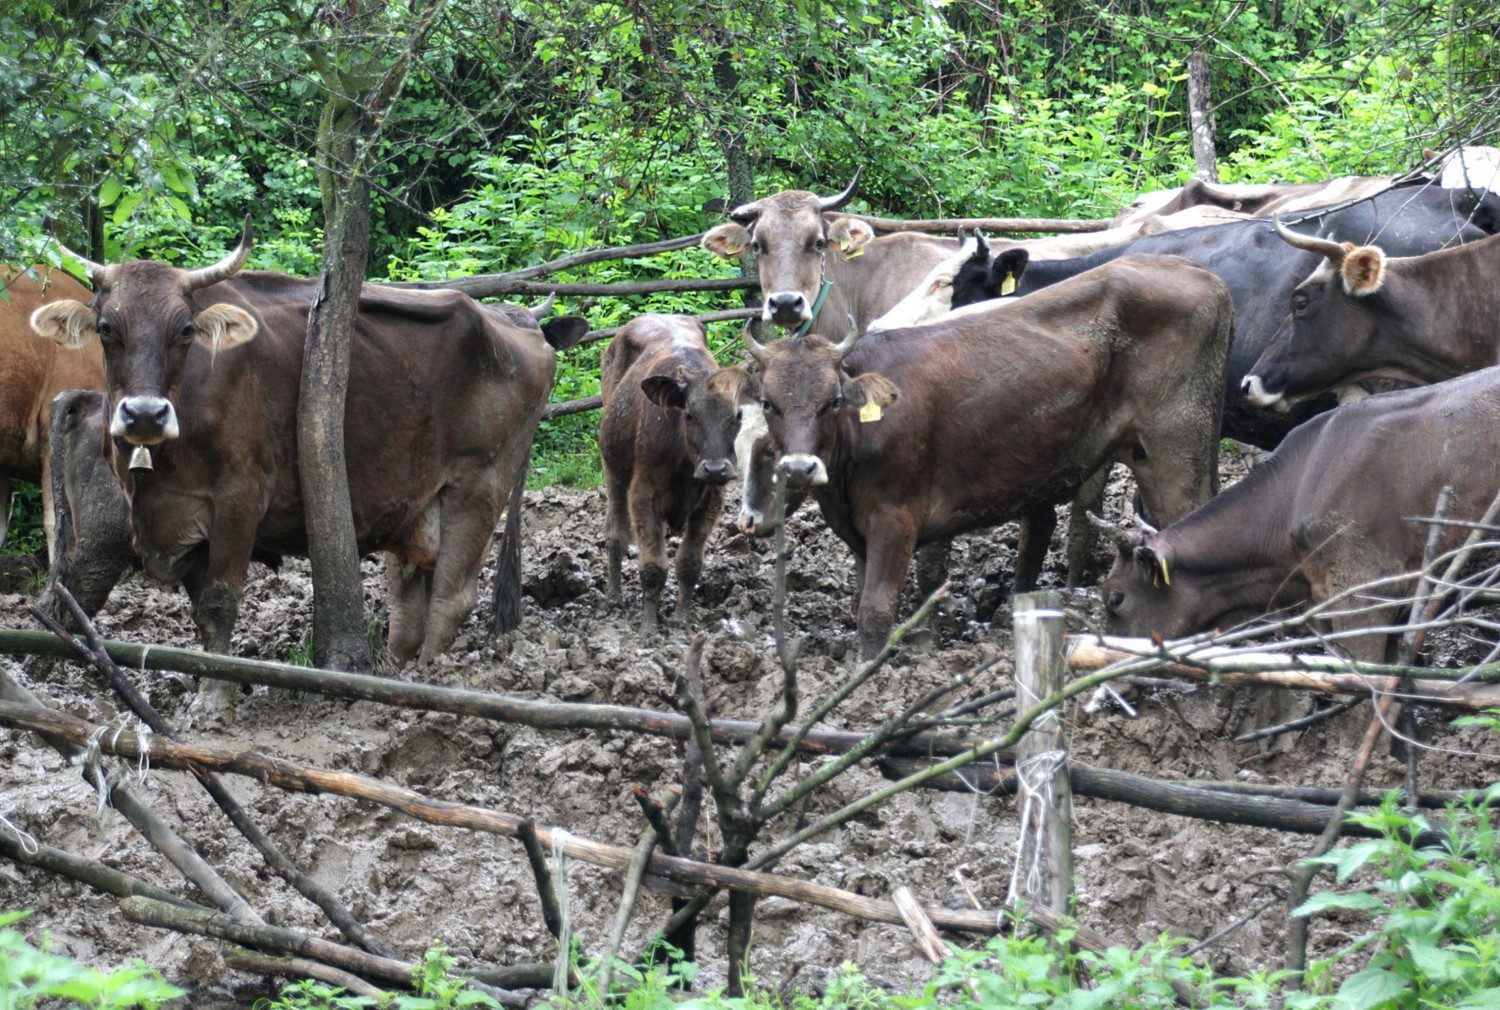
651	545
694	543
215	583
888	550
409	589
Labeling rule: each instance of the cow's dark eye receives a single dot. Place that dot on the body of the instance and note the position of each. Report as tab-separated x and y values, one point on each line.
755	246
106	331
769	407
186	333
820	244
1116	598
1299	306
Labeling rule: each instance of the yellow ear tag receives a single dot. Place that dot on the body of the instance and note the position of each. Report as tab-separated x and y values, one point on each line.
1009	287
1166	576
870	412
735	251
857	252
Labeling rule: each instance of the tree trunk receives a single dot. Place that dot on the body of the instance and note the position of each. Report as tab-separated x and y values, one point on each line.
731	139
339	639
1201	115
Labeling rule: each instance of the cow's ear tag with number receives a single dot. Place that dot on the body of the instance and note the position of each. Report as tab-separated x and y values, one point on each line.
1008	287
870	412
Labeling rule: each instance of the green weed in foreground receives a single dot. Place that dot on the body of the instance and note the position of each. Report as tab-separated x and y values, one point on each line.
437	988
31	977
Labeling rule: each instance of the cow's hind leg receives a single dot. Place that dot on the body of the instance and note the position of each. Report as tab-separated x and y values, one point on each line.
410	589
1031	546
468	517
690	551
1083	536
616	537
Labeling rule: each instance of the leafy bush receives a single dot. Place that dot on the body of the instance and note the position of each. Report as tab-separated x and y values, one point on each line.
32	977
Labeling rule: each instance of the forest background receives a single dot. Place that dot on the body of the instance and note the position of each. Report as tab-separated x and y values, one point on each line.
517	131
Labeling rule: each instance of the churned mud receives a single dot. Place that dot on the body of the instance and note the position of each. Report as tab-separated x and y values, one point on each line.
1140	874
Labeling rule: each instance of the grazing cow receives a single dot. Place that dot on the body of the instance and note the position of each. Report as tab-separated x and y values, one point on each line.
917	435
1261	274
1331	509
202	371
1362	315
666	435
31	374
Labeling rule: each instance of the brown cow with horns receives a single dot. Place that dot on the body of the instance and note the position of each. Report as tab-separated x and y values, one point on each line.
203	367
910	436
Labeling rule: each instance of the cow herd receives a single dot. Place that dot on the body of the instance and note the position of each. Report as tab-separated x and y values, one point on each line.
930	388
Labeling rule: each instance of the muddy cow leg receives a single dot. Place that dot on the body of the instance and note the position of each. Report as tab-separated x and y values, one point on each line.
888	550
410	590
616	536
932	566
694	543
651	542
468	514
1031	546
1083	536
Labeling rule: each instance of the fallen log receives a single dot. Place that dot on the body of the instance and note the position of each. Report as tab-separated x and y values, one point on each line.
86	871
578	406
1181	798
1327	674
301	778
950	225
203	922
538	714
287	966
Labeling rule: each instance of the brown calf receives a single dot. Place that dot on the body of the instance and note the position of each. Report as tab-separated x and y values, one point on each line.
666	436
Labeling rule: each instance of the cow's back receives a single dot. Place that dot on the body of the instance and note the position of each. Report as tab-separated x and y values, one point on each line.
999	411
1375	464
32	370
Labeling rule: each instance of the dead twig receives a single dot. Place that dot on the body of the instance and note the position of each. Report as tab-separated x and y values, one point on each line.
551	911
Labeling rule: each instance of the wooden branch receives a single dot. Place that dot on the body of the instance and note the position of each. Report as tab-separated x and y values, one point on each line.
503	285
146	912
1181	798
577	406
1328	674
928	942
1338	708
86	871
546	891
324	899
546	715
628	892
949	226
553	266
300	967
301	778
194	868
1044	793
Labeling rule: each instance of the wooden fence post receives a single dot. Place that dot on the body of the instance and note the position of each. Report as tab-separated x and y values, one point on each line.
1044	857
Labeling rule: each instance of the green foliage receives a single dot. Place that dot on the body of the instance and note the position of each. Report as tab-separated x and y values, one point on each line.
434	987
1435	910
33	977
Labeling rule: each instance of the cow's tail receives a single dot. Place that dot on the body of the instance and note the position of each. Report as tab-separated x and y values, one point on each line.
507	613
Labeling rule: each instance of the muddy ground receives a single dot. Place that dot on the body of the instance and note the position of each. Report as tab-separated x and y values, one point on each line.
1139	873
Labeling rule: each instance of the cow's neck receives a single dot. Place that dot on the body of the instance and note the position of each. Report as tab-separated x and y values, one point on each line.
1452	308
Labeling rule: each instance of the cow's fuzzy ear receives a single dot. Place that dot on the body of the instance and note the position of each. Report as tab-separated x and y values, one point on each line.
734	384
1364	271
1155	564
221	327
727	240
850	235
665	391
68	322
870	389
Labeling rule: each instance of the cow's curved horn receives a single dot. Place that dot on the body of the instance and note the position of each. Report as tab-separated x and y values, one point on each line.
745	212
1322	246
755	347
1146	527
1121	536
226	267
543	310
101	276
847	344
838	200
